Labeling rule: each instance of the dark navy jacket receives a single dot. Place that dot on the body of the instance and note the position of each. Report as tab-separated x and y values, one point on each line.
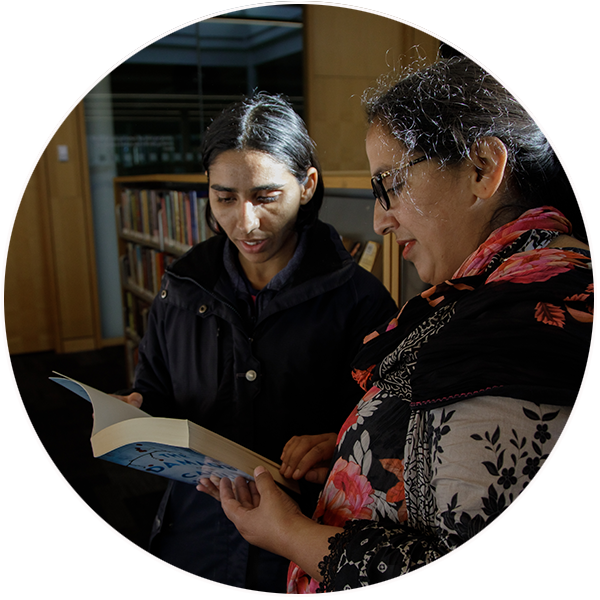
257	382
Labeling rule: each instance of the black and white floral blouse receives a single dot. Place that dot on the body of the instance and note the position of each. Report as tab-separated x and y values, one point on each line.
467	391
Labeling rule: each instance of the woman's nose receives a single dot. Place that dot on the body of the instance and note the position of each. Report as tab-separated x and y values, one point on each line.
249	220
383	220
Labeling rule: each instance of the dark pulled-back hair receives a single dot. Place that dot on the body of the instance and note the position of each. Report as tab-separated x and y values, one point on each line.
266	123
444	108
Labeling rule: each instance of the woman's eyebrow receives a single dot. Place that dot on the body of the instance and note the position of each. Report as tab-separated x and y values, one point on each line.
379	170
269	187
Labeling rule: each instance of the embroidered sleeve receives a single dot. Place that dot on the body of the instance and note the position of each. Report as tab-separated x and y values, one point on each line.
468	462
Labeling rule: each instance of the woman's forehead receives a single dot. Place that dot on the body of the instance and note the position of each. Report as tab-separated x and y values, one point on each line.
383	149
249	158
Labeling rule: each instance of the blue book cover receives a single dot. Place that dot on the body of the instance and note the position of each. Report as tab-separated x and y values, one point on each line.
193	217
180	464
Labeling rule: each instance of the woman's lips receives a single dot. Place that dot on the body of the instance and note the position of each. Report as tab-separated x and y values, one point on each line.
406	247
252	246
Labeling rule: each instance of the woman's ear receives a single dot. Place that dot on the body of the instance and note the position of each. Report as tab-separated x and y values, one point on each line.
310	185
489	157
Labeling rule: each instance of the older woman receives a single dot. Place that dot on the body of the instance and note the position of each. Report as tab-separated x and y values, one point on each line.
469	387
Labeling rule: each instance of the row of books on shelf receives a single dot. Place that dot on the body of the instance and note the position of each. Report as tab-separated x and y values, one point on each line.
143	267
169	219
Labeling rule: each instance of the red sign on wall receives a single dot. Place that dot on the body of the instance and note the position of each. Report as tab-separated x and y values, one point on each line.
54	72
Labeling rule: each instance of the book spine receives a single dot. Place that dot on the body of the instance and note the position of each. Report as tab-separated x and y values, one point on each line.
189	239
202	219
124	269
130	315
160	235
164	226
160	268
130	263
193	218
139	263
154	207
177	216
169	204
153	272
125	211
145	218
136	224
367	260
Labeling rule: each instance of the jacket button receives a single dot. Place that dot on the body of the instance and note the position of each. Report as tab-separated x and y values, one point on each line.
203	309
251	375
163	294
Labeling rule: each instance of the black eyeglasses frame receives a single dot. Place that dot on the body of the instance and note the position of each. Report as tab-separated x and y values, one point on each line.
379	190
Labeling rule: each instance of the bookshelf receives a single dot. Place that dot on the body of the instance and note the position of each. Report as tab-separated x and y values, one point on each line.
159	218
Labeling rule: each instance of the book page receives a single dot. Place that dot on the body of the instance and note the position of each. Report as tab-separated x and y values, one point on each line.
108	410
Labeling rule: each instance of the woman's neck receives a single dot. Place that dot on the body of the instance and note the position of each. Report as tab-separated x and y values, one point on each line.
567	241
259	274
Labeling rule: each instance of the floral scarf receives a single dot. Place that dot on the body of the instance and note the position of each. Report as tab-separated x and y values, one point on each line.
509	316
512	283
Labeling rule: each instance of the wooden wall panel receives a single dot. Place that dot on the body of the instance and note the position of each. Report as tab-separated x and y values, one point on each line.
28	287
51	297
72	237
346	52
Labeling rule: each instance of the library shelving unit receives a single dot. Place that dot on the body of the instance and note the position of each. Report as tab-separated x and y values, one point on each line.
160	216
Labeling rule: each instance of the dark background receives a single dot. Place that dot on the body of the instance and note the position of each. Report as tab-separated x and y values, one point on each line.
50	543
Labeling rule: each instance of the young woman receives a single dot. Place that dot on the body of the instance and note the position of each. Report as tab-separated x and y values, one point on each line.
469	387
253	331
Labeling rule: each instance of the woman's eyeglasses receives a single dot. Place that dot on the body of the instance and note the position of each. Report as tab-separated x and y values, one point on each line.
379	190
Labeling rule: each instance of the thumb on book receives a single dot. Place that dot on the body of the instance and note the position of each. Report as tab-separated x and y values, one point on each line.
263	478
259	471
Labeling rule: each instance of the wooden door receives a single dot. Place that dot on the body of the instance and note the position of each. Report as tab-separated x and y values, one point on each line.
29	298
50	294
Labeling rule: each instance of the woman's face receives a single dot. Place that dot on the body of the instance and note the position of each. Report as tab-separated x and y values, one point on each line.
437	219
255	200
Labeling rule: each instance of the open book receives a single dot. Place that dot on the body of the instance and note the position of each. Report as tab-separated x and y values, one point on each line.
174	448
